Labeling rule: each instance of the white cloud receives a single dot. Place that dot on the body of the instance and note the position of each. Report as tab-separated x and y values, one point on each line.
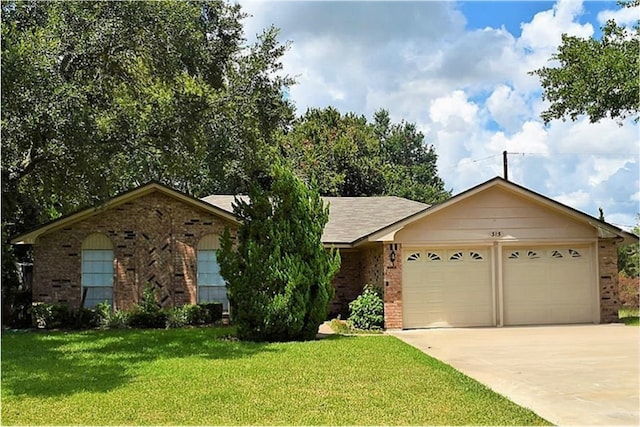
626	16
449	110
507	107
578	199
468	91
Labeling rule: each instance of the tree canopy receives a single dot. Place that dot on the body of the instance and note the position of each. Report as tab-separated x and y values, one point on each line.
348	156
98	97
596	77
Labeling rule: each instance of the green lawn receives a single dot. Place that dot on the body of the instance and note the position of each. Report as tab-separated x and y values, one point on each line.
629	316
197	377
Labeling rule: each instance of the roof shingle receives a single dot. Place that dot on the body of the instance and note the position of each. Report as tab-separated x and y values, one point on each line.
351	218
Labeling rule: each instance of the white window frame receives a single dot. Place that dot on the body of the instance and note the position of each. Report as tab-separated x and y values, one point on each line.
97	270
209	280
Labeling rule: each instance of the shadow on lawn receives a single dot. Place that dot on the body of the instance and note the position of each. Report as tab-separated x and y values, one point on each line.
58	363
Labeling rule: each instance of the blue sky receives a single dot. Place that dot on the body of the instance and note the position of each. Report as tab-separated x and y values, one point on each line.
459	70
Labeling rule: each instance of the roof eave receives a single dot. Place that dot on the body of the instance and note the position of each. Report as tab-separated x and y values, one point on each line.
29	237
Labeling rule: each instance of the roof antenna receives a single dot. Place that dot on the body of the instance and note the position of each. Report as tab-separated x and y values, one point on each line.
505	166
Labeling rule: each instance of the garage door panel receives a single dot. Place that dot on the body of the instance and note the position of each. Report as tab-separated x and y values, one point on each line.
447	287
548	285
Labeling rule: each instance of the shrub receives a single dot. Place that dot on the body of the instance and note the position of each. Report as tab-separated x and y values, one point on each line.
211	312
278	272
629	291
176	317
41	315
50	316
148	314
367	311
110	319
85	318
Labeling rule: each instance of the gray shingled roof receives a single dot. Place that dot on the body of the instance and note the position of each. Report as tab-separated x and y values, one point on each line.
351	218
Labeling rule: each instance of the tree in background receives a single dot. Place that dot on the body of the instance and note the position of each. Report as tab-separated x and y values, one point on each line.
348	156
598	78
629	272
98	97
279	275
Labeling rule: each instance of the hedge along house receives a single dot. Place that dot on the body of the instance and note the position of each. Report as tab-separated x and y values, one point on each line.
497	254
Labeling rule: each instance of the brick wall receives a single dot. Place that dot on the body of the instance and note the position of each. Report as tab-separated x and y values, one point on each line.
372	266
347	283
392	286
154	239
358	268
608	270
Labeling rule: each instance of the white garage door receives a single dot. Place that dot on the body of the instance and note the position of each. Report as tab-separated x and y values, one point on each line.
548	285
447	287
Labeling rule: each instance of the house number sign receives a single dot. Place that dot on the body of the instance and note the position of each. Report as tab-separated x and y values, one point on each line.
496	233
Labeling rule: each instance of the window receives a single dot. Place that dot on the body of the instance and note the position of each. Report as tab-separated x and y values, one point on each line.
432	256
211	285
414	257
458	256
532	255
574	253
556	254
476	256
97	270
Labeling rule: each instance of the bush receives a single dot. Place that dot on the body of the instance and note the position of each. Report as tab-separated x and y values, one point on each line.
50	316
148	314
85	318
629	291
278	272
211	312
367	311
110	319
176	317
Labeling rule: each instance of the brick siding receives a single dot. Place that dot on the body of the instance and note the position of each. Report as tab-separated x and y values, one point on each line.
392	286
347	283
154	239
608	271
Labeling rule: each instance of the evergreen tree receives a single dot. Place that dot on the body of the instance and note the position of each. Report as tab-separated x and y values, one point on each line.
279	274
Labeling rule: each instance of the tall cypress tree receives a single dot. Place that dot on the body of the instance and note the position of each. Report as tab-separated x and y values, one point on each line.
279	273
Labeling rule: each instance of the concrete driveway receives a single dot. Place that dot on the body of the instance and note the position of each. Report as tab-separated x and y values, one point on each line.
569	375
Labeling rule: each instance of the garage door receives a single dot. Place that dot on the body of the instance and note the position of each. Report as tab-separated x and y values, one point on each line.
548	285
447	287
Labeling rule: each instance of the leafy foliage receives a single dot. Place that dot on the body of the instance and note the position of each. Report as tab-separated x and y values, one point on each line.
629	257
279	276
367	311
98	97
53	316
594	77
347	156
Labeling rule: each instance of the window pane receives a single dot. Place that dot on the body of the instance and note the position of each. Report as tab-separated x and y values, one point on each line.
211	286
214	294
96	295
97	267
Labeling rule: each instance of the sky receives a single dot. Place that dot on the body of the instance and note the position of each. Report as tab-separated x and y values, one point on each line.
459	71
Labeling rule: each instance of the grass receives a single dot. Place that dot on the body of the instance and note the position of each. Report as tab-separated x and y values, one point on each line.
343	327
199	377
629	316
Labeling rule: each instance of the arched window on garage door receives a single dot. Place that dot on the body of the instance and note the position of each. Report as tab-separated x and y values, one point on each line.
97	270
211	285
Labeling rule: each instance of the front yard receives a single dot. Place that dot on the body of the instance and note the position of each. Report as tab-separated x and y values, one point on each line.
202	377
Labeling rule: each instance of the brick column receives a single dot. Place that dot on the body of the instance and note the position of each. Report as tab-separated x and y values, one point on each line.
392	286
608	270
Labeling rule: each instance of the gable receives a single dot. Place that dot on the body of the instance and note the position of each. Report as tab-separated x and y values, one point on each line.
151	189
496	213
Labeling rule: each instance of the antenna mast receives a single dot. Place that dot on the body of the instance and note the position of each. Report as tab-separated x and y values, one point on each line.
505	166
